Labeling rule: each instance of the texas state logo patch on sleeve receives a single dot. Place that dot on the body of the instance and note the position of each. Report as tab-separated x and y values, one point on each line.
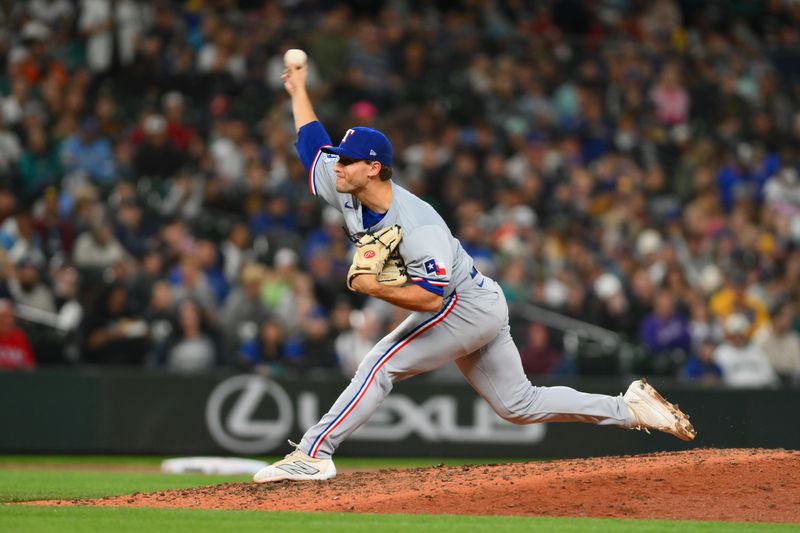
432	266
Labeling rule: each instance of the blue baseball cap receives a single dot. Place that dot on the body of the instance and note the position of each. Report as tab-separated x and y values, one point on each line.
364	143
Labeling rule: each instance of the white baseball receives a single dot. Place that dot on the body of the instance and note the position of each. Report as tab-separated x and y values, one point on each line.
294	58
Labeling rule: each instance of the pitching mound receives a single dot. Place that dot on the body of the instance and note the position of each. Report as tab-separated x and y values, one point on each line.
736	485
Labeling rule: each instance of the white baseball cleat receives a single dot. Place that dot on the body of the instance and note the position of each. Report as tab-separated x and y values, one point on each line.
651	411
296	466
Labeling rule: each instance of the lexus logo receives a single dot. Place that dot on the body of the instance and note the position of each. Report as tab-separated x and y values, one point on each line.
231	414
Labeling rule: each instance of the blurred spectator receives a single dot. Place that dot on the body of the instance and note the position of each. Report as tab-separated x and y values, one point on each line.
538	355
179	133
189	281
15	350
111	28
10	152
270	352
244	310
51	12
665	333
129	228
89	154
66	284
156	157
39	166
210	261
19	239
192	349
670	98
781	344
353	345
98	248
734	298
54	231
28	289
184	197
318	345
159	315
236	251
742	362
277	290
114	335
701	367
703	327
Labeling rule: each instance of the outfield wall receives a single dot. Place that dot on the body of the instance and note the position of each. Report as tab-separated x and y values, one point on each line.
148	413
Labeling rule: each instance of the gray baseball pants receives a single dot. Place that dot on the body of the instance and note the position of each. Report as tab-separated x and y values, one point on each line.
472	330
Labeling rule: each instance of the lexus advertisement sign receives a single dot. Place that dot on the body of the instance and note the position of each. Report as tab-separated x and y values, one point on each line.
139	412
255	415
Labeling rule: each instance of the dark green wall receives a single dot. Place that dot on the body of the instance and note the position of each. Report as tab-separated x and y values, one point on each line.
142	413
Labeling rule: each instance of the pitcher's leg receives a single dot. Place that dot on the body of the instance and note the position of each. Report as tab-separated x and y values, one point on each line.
495	372
404	352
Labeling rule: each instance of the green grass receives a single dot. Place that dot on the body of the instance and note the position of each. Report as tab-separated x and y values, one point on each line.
341	462
19	485
100	520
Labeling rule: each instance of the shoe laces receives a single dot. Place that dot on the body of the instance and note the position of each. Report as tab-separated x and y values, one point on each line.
295	451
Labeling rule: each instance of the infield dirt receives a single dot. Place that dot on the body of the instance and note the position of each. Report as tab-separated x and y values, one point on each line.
706	484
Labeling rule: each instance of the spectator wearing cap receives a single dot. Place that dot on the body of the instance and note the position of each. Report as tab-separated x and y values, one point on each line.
156	157
27	287
743	363
87	153
15	349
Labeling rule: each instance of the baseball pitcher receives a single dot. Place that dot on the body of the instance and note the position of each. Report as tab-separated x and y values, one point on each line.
406	255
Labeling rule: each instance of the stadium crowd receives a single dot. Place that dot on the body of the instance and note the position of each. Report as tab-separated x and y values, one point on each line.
629	164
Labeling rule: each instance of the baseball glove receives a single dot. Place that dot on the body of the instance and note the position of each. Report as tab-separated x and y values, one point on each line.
372	251
394	271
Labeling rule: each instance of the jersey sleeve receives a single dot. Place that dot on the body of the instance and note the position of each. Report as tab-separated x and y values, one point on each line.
311	138
428	257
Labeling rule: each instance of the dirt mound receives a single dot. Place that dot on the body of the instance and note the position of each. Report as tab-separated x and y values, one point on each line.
736	485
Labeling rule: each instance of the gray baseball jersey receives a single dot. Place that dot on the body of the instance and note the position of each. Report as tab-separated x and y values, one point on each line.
434	258
471	328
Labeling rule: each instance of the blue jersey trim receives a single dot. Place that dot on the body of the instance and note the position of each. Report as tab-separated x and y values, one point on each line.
370	217
310	138
438	291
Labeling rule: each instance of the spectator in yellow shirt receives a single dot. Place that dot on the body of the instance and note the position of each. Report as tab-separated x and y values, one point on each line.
733	298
